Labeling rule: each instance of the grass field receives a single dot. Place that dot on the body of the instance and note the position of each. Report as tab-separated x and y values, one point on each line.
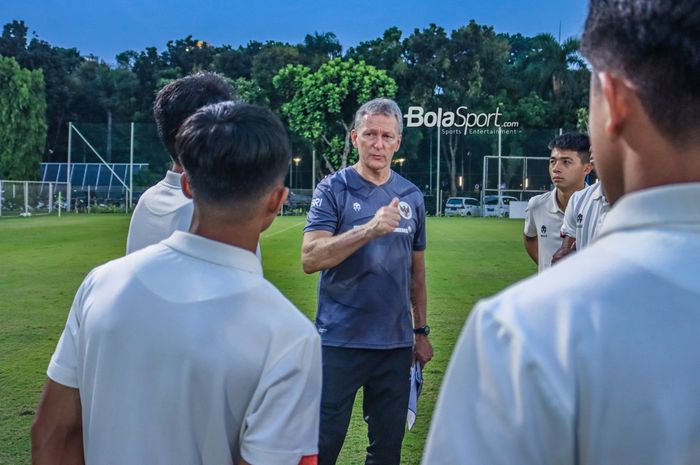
43	261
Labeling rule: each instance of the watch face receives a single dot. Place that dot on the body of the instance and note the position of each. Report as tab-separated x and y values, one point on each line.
422	330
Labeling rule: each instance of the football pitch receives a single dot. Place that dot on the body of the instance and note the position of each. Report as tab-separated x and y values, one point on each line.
43	261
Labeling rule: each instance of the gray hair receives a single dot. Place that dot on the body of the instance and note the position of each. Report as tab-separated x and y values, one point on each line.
380	106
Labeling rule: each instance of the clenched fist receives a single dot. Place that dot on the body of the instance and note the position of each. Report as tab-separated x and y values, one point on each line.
385	220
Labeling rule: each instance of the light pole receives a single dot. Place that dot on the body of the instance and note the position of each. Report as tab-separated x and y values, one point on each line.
296	161
400	162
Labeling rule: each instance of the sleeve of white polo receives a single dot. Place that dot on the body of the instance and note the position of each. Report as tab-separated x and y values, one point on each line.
63	367
530	226
496	405
282	420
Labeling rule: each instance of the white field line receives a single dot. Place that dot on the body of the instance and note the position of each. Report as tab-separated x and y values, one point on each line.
265	236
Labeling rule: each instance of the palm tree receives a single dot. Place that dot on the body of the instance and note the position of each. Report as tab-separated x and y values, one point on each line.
550	62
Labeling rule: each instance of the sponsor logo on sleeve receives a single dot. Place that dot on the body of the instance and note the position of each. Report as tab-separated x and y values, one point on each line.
316	202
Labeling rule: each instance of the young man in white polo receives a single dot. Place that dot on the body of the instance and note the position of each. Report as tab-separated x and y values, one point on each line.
596	360
163	208
182	353
569	163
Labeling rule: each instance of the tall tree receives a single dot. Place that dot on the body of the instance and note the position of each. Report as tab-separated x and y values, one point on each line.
550	62
317	49
22	121
321	105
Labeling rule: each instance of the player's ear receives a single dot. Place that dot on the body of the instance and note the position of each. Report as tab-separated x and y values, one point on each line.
275	199
186	186
353	137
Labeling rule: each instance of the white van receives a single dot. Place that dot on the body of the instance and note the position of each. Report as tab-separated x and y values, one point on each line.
462	206
492	207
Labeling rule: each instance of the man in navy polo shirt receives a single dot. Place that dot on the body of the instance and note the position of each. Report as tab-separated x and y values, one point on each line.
366	234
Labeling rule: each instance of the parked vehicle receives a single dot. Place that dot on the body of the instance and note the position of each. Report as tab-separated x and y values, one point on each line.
494	207
462	206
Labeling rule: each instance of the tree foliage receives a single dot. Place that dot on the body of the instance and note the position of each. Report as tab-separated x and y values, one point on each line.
320	105
537	81
22	120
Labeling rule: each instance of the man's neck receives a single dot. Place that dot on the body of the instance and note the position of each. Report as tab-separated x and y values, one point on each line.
242	235
177	168
375	177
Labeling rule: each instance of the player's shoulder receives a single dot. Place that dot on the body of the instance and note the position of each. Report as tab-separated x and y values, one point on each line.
539	200
281	312
335	182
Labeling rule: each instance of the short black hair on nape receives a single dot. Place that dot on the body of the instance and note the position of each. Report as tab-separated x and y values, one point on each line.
654	44
233	152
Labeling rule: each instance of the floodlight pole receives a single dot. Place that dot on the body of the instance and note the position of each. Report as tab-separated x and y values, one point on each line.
131	169
499	171
437	176
313	170
70	148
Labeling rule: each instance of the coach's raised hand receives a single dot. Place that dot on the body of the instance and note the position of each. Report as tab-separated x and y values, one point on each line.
385	220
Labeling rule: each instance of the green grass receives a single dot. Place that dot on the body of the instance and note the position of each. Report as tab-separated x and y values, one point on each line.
43	260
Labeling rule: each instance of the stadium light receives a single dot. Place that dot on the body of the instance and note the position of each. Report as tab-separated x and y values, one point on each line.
296	161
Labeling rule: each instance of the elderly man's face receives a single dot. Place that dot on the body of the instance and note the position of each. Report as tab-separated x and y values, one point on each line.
376	140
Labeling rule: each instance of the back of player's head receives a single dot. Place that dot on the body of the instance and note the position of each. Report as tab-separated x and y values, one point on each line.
380	106
181	98
233	152
573	141
655	45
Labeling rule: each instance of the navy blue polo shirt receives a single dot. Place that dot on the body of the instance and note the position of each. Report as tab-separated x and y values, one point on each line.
365	301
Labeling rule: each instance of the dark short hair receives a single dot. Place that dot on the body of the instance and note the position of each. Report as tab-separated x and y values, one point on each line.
233	152
655	44
181	98
576	141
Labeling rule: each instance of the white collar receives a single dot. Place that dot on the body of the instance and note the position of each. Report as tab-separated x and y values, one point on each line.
214	252
673	204
553	204
172	179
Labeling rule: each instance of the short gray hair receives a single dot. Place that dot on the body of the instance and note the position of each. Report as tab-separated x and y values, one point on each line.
380	106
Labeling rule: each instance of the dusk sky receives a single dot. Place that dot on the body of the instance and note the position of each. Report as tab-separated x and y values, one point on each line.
107	27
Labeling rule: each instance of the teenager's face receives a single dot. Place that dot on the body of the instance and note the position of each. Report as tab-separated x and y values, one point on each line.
567	170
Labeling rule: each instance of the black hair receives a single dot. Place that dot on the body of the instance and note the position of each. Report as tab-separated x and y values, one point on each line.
233	151
575	141
181	98
655	44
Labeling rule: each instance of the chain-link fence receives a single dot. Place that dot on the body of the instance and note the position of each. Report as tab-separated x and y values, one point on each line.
27	198
459	171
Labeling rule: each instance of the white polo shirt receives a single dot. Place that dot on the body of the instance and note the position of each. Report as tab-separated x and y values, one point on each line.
584	215
183	353
161	210
543	219
595	361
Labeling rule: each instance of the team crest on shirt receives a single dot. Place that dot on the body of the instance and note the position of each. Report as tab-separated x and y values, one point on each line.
543	231
356	206
405	211
579	219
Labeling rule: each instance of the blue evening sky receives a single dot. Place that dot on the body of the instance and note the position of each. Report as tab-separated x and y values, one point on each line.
107	27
